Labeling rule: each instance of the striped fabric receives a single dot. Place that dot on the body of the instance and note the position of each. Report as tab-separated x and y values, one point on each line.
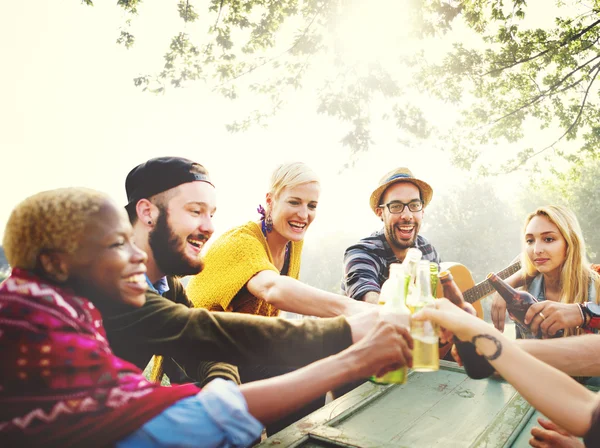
366	264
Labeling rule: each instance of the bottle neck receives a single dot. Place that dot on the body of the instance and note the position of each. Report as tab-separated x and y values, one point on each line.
506	291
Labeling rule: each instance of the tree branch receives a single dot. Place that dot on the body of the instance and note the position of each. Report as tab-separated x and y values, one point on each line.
571	127
550	91
531	58
255	67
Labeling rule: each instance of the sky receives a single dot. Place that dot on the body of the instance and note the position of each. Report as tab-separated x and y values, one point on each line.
71	116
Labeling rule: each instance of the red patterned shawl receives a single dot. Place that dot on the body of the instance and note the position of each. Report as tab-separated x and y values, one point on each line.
60	384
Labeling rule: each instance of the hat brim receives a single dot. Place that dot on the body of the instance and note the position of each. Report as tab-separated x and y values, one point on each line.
424	187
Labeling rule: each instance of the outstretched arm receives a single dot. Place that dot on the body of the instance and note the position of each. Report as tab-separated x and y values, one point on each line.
576	356
552	392
288	294
386	347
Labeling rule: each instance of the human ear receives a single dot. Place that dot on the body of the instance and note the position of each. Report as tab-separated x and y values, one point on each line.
53	265
146	212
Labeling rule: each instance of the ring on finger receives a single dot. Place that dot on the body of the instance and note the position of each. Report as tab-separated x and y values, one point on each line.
542	315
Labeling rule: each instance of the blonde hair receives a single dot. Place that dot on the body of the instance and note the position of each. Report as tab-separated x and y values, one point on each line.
576	272
290	175
50	220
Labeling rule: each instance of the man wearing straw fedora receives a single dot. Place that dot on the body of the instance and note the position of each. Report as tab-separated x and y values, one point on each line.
399	201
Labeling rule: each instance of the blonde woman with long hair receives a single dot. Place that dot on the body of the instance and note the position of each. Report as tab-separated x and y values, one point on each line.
556	271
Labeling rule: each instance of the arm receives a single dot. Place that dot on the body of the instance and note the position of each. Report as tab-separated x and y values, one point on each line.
498	310
289	294
541	385
193	335
576	356
386	347
370	297
361	274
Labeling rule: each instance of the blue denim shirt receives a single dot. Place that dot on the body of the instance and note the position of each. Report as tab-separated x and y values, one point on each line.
216	417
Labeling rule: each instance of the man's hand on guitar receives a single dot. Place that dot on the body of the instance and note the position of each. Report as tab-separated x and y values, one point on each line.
498	312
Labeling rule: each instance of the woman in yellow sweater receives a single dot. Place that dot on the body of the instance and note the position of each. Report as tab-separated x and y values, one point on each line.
254	268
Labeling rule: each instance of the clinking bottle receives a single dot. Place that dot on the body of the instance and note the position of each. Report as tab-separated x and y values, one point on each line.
426	352
392	297
517	304
476	366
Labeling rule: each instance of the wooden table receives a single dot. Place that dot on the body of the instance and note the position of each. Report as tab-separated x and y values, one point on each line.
437	409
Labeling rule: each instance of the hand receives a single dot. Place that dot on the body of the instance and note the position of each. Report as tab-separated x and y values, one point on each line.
386	347
454	319
498	312
362	323
556	316
553	436
455	355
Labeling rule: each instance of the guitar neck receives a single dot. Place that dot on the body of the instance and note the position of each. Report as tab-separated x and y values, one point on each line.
483	288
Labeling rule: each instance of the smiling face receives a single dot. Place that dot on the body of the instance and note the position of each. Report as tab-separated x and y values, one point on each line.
182	228
545	245
108	266
294	210
401	229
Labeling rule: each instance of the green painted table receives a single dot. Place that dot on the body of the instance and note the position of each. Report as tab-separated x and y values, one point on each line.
438	409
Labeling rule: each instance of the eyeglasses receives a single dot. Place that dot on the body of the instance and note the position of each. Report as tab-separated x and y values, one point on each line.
396	207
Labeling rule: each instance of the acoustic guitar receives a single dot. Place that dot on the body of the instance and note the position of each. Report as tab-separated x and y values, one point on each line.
472	292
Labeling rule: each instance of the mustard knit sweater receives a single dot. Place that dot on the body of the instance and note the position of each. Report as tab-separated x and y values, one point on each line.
230	262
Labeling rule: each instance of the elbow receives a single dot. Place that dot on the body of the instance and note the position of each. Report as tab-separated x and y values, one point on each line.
269	289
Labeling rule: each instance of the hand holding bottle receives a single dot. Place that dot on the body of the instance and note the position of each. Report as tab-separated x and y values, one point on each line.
463	325
385	348
551	317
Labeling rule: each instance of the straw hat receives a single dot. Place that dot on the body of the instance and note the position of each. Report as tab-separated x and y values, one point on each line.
400	175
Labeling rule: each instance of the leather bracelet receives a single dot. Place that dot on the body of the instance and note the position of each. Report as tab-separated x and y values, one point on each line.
580	306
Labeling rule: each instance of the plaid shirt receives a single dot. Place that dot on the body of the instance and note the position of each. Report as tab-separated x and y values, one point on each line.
366	264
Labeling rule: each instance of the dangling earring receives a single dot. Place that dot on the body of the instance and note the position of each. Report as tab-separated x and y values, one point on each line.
269	223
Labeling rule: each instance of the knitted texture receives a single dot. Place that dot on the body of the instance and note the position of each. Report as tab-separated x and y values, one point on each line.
230	262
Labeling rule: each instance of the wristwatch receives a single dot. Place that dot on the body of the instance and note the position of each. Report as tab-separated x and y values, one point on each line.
591	315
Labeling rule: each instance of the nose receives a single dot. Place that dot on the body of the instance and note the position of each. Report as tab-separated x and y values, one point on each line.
538	248
303	212
207	227
138	255
406	214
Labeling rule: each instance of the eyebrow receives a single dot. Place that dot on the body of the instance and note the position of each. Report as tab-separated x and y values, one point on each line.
201	204
543	233
300	199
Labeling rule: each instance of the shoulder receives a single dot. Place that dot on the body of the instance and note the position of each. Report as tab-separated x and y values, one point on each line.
429	251
238	239
373	244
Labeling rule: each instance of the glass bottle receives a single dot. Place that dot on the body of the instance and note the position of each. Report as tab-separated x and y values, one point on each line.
410	265
425	333
433	272
517	304
392	297
476	366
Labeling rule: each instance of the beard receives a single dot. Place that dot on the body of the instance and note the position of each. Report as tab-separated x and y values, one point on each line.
168	249
397	242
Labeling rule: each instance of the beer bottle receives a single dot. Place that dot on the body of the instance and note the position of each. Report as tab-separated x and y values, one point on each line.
476	366
410	265
517	304
433	271
392	297
425	333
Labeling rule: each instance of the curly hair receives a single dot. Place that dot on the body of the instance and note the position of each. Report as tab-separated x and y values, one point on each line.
50	220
